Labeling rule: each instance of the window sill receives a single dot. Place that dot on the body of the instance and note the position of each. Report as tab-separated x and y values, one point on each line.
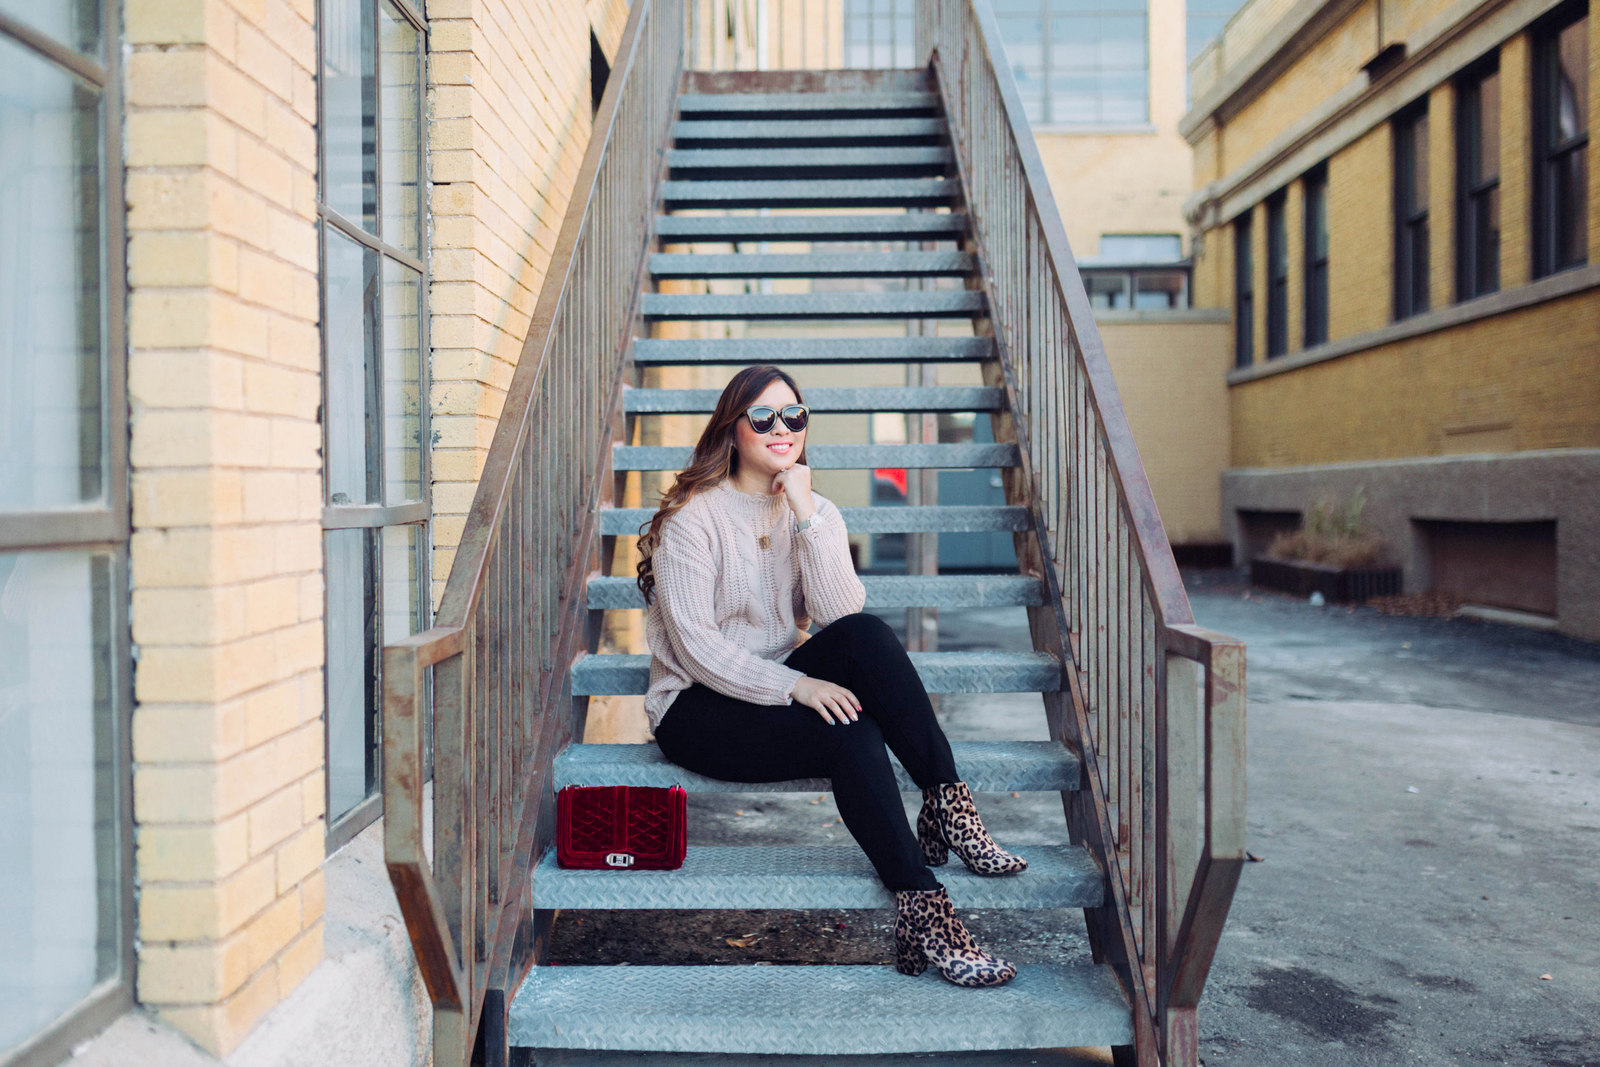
1551	287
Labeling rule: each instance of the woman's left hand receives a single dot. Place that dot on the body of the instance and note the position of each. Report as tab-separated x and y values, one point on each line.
795	485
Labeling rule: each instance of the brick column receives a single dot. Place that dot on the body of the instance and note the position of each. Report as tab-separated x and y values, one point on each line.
506	138
224	387
1594	135
1294	225
1442	196
1516	162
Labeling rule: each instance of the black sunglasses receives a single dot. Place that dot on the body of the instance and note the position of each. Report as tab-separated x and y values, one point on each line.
763	417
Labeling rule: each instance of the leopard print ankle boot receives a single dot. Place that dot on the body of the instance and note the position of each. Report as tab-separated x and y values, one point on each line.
926	931
949	820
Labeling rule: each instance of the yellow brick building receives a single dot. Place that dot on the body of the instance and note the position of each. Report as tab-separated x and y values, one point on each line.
266	268
1400	208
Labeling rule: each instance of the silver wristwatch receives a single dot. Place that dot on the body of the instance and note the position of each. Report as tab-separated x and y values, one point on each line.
805	523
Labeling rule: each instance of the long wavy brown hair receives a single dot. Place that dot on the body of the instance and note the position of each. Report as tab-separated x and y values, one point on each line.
715	458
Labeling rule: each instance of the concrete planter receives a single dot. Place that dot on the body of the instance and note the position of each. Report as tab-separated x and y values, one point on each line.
1338	584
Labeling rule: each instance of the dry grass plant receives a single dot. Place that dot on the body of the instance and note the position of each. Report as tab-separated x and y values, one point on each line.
1335	534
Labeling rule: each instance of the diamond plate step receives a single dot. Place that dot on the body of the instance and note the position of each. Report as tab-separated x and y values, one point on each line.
941	672
853	192
771	104
1040	1057
952	518
916	304
658	351
813	876
808	163
815	265
823	1011
915	226
986	766
883	591
824	399
846	131
834	457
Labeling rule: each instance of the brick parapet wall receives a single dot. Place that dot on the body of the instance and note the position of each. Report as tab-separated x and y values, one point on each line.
224	387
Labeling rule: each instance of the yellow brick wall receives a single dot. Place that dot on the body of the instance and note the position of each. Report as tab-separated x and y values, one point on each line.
1451	391
1516	168
1173	381
1442	196
1360	235
1294	222
224	387
1333	62
1258	284
510	104
1594	134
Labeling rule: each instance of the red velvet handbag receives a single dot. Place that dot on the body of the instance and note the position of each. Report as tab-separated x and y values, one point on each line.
621	826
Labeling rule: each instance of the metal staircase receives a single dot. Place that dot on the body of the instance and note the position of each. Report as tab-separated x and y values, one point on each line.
1145	710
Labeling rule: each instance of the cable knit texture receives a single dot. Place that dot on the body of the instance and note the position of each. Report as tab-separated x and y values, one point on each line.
728	612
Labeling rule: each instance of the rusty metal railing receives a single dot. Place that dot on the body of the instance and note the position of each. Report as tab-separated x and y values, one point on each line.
1154	704
512	615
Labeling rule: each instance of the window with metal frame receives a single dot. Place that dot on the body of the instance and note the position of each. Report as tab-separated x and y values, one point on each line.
1315	188
66	855
1244	294
1079	62
1411	212
1478	182
1561	142
877	33
1277	276
374	340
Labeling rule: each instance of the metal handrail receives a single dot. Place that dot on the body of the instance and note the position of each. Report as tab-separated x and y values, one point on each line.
1153	703
511	619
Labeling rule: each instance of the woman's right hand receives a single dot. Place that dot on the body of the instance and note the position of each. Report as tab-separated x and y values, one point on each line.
834	703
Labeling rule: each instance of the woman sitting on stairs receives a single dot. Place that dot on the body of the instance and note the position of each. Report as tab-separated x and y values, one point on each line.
737	562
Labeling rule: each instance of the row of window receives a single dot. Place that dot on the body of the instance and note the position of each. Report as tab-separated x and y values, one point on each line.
1076	62
1559	231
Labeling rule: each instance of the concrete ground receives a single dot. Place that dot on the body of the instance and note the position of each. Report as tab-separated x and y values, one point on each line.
1425	801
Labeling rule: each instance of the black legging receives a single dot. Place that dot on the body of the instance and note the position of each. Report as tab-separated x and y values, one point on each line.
722	737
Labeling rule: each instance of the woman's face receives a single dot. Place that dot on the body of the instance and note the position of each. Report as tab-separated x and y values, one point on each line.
776	450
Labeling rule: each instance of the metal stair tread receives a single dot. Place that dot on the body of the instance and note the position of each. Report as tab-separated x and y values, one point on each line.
913	304
812	876
878	160
1042	1057
810	265
833	131
987	766
835	457
939	518
883	591
941	672
913	226
924	100
656	351
825	399
817	1010
759	192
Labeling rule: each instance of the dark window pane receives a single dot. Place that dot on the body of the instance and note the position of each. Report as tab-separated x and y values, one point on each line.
1487	132
402	383
1571	113
59	866
400	67
350	280
1277	278
1160	290
52	419
1107	290
349	111
1244	294
352	669
1571	221
1316	257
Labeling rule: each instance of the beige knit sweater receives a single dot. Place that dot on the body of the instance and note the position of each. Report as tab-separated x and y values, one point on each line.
728	612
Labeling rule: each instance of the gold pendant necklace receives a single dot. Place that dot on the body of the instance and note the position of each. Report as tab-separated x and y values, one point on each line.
764	541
